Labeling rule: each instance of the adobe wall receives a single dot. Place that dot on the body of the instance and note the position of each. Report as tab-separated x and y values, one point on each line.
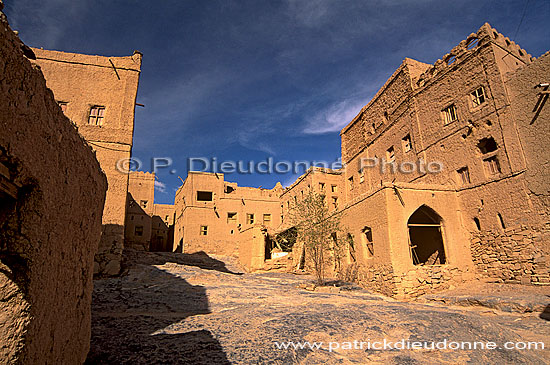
251	248
222	237
138	226
519	251
162	230
531	113
83	81
50	232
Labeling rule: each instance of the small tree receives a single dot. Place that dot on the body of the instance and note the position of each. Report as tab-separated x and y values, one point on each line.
316	228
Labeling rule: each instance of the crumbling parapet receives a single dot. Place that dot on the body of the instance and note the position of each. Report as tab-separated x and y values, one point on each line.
51	204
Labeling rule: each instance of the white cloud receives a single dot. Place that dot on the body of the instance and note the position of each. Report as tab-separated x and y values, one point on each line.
160	186
334	117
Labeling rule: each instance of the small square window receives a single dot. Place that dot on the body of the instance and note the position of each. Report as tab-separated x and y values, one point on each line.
267	219
335	202
204	231
322	186
138	231
204	196
143	203
362	176
390	154
249	218
449	114
97	114
464	175
350	181
334	188
232	217
407	145
478	96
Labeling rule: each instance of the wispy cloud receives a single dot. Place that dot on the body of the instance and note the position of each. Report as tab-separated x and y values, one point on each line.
334	117
160	187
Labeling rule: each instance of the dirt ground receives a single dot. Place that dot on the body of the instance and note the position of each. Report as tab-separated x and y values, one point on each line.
195	309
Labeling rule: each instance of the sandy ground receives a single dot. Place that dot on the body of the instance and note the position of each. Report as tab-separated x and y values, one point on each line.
194	309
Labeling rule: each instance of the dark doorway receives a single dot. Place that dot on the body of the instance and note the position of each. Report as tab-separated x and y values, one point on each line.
268	247
426	238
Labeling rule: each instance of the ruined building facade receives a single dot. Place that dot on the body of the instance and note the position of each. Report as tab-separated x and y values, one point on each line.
445	174
210	213
98	94
148	226
52	192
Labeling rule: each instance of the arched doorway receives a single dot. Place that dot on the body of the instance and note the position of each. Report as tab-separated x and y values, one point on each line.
426	237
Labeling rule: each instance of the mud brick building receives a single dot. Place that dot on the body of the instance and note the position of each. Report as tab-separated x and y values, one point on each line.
445	175
474	111
148	226
210	213
52	192
98	94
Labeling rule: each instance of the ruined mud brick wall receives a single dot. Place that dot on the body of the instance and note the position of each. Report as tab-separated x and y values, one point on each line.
51	227
519	251
252	248
193	212
139	212
162	231
98	94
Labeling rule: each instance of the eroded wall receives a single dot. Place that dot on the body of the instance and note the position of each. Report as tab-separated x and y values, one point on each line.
80	83
51	228
222	230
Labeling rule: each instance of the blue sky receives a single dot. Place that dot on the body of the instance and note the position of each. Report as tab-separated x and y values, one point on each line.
252	79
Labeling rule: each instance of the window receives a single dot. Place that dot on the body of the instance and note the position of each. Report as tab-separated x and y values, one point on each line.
250	218
464	175
267	219
390	154
322	186
478	96
97	114
335	202
407	145
487	145
204	196
472	43
204	231
63	105
334	188
229	189
366	237
491	165
350	181
362	176
138	231
232	217
143	203
449	114
166	218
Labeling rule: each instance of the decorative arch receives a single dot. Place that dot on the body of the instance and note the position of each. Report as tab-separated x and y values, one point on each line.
426	237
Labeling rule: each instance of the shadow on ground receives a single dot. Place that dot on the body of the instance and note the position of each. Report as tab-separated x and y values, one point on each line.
131	316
